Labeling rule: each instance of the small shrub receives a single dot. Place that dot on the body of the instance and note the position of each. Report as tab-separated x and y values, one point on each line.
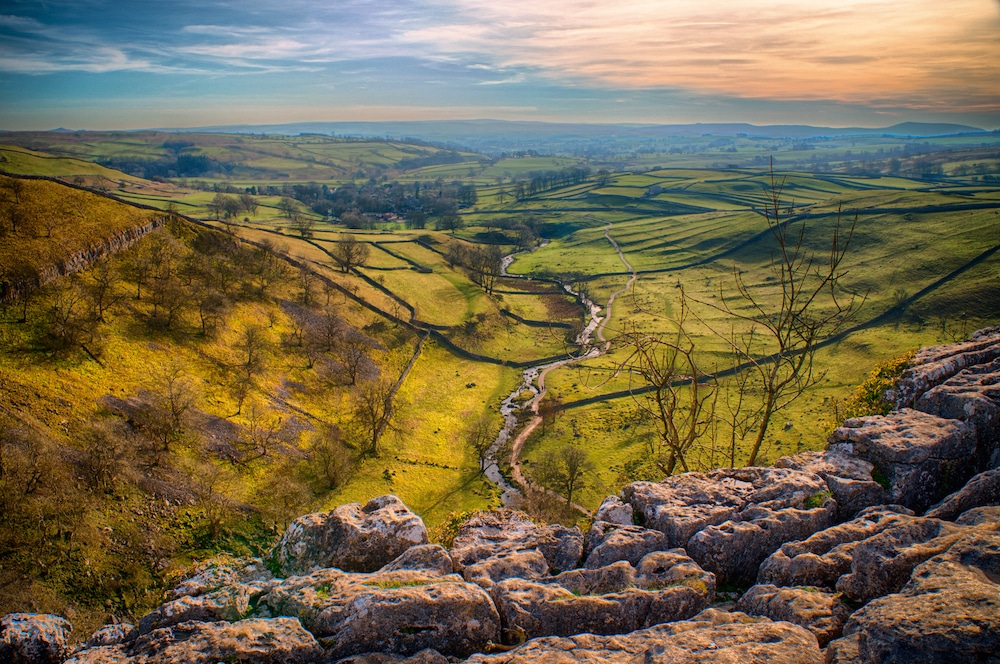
869	397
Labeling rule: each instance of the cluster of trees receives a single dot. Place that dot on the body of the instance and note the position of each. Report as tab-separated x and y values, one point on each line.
538	181
482	263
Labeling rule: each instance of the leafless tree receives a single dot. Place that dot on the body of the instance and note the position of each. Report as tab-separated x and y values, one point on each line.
348	253
373	411
671	392
780	336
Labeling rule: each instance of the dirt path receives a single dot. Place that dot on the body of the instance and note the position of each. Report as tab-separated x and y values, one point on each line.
518	445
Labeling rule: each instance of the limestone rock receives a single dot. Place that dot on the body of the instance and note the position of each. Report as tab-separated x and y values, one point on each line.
33	638
882	563
923	457
711	636
980	516
618	598
848	478
277	641
111	635
822	613
529	564
933	365
682	505
822	558
399	611
734	550
429	558
948	612
973	396
843	651
108	654
981	491
229	603
610	542
493	533
613	510
224	571
351	537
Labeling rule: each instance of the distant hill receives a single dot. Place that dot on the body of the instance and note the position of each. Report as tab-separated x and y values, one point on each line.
461	131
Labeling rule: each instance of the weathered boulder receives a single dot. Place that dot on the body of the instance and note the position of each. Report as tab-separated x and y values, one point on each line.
921	456
494	533
682	505
973	396
734	550
33	638
980	516
429	558
222	571
711	636
277	641
822	613
112	635
352	537
229	603
935	364
613	510
882	563
618	598
981	491
949	611
822	558
610	542
530	564
848	478
400	611
108	654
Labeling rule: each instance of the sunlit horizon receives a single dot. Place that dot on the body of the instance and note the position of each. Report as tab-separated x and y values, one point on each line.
96	64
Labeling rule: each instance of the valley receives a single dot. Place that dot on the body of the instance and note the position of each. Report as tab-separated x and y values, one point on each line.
308	380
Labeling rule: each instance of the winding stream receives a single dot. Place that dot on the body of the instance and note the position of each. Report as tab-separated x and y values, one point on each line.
533	381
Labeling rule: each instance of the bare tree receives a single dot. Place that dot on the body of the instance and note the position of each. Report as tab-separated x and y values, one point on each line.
671	394
373	411
564	470
249	204
250	349
780	336
348	253
304	225
481	434
332	460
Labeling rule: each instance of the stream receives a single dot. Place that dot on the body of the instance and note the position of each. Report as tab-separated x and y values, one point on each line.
533	381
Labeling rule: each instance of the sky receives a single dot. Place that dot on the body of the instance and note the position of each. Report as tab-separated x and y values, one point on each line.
113	64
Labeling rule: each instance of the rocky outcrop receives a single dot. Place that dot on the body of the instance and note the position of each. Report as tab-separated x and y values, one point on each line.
821	612
711	636
275	641
973	396
400	611
822	558
933	365
922	457
848	478
949	611
729	521
981	491
28	637
500	532
351	537
665	586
